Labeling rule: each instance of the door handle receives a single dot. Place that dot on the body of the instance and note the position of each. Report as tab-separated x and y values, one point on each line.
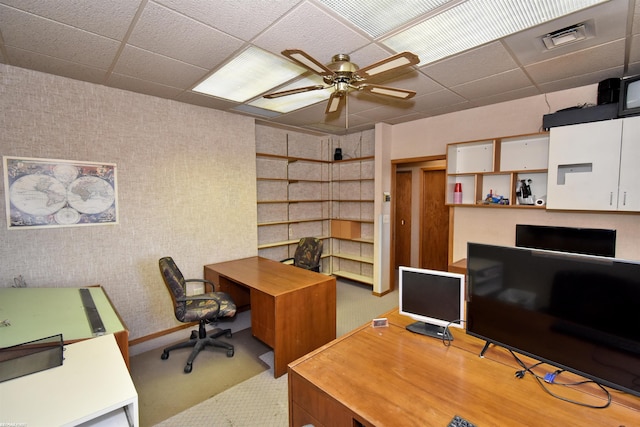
402	222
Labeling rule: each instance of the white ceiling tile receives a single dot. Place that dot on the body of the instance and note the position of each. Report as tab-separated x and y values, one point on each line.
60	67
475	64
133	84
243	19
437	100
581	79
607	22
634	49
578	63
506	96
310	29
206	101
171	34
146	65
54	39
495	84
107	18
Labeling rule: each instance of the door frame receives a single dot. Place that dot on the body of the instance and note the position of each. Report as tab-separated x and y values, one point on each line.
392	239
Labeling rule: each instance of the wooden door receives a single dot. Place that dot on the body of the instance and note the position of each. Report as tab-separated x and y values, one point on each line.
402	248
434	224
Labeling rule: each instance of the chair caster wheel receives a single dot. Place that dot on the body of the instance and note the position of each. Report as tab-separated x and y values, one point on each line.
164	356
194	335
228	334
187	368
229	353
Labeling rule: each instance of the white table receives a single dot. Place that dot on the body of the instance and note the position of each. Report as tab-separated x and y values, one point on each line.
91	388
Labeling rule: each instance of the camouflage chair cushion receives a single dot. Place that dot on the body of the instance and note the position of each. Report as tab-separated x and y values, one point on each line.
308	253
211	305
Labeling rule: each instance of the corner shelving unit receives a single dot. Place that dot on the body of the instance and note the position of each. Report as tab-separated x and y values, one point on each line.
352	184
302	192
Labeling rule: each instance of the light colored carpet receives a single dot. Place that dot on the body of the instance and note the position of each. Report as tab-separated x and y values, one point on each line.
262	401
165	390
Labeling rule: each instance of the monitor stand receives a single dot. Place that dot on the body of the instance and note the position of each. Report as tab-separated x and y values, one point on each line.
430	330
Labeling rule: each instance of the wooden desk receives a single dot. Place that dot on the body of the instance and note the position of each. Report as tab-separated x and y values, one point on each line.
293	310
36	313
393	377
92	386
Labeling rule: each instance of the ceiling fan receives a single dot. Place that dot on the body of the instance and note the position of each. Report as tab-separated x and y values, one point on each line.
344	76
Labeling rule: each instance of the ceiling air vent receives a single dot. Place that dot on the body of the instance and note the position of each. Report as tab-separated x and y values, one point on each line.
565	36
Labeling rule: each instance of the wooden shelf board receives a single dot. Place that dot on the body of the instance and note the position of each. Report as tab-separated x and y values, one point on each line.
284	243
291	221
353	276
359	239
291	201
358	258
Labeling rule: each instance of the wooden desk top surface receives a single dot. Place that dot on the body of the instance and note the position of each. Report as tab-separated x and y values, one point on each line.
271	277
393	377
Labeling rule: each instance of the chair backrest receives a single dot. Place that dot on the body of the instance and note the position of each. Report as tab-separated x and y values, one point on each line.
308	253
174	280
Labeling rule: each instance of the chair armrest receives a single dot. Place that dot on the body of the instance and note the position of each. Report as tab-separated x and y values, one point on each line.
197	298
214	288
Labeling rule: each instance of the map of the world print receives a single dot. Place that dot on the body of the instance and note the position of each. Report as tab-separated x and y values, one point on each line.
59	193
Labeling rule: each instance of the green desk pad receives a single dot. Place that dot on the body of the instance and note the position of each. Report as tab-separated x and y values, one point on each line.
36	313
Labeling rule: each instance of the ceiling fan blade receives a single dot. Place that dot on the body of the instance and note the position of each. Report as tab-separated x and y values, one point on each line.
335	102
308	62
388	91
403	59
293	91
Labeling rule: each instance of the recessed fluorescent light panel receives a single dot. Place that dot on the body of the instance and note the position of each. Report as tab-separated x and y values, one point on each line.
378	17
475	22
251	73
289	103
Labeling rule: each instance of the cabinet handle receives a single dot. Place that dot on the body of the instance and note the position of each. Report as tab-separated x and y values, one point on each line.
611	199
624	199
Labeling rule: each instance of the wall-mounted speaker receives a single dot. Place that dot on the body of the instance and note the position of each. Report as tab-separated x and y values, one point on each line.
608	91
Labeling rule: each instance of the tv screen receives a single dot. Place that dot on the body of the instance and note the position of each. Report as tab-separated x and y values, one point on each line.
577	312
590	241
629	103
435	299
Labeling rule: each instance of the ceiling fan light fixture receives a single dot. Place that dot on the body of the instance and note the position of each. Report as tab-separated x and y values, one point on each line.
230	84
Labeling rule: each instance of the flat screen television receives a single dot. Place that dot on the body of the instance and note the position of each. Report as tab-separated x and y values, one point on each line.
629	102
434	299
590	241
577	312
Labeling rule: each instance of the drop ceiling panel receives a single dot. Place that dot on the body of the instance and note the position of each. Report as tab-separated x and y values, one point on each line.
54	39
312	30
475	64
169	33
146	65
106	18
243	19
577	63
46	64
606	22
133	84
494	84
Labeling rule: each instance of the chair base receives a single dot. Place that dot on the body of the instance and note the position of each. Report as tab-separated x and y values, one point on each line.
199	340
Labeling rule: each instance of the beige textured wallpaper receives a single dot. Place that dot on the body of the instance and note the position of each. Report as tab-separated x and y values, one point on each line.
186	189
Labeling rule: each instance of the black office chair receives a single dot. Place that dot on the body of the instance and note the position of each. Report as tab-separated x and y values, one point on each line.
307	254
204	308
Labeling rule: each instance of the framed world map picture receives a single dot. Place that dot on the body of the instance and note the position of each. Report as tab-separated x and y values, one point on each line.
59	193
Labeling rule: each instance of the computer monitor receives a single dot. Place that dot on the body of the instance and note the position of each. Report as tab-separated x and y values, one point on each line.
589	241
434	299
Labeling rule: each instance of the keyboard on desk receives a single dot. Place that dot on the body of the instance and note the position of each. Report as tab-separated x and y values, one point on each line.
458	421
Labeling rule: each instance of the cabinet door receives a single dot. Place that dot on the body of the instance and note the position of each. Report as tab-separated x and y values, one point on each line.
629	194
584	163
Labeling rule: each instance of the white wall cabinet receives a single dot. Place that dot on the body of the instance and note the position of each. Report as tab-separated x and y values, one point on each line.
591	166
